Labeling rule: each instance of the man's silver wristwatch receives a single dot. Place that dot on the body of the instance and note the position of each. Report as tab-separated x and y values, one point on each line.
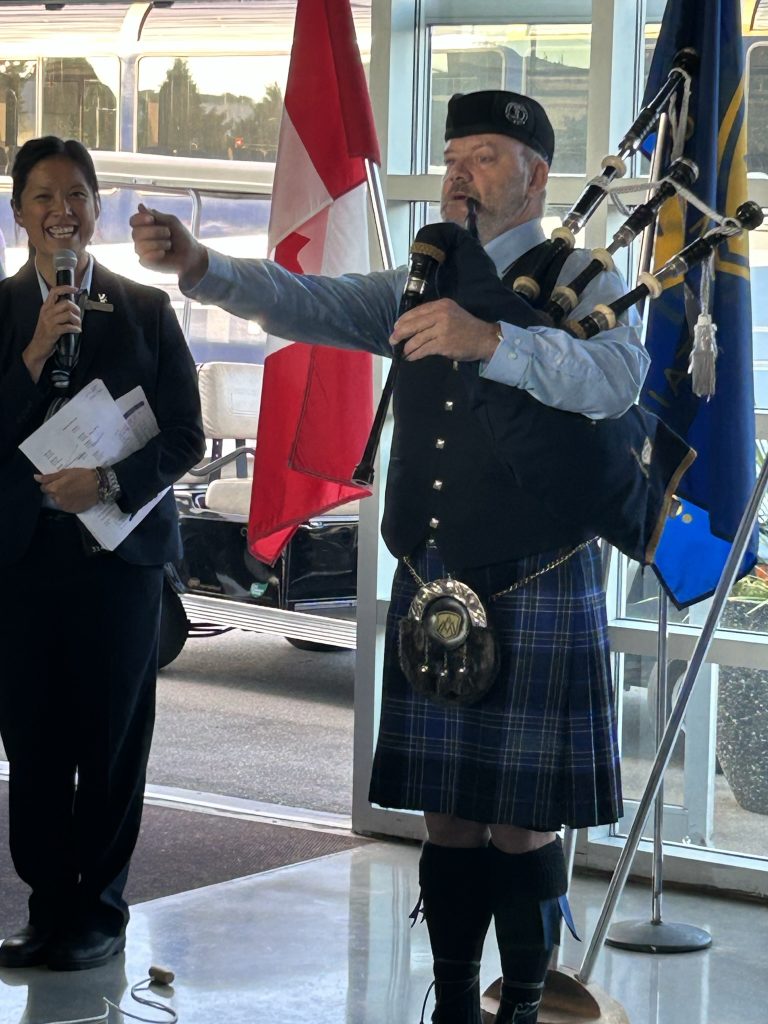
109	486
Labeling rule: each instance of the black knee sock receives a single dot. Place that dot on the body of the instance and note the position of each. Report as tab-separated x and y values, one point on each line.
454	888
527	918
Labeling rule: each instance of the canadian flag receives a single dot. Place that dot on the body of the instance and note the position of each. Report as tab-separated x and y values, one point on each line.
316	404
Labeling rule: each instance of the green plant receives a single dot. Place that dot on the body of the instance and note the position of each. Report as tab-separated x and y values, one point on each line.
751	588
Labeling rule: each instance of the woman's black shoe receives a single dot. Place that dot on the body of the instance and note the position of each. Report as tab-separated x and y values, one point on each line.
81	950
27	948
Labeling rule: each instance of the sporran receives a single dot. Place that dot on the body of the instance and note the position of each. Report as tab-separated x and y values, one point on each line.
448	652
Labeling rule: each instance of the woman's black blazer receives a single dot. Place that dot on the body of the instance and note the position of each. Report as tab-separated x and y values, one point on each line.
139	343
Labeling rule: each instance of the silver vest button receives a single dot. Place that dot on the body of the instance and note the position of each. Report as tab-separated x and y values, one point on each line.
434	523
448	406
437	485
440	443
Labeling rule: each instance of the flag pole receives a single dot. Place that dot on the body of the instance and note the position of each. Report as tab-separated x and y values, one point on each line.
379	212
675	722
657	936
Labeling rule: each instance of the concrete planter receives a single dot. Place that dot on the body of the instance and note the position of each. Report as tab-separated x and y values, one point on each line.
742	714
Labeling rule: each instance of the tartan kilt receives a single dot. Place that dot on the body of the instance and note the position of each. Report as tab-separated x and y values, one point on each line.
539	750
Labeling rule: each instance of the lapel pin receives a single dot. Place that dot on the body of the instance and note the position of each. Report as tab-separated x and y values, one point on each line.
102	306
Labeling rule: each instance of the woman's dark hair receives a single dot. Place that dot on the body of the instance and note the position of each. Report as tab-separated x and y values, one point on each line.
35	150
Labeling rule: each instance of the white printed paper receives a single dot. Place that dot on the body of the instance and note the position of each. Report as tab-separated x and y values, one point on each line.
92	430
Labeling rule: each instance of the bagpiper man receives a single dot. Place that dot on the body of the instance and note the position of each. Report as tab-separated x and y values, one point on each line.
497	714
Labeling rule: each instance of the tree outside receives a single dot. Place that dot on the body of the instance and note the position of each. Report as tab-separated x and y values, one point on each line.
179	120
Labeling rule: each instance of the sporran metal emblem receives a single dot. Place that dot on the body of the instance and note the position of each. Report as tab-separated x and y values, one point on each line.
447	652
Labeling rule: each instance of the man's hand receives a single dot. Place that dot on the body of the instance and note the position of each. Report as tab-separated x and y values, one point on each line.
443	328
72	490
163	243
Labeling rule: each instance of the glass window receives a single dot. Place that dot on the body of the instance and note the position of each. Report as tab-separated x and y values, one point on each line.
80	99
757	109
18	107
758	262
548	62
737	820
234	225
184	111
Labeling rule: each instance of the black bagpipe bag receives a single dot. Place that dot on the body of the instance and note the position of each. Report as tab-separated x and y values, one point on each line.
616	477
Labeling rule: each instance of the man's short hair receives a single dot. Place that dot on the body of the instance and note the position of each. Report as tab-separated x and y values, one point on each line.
498	112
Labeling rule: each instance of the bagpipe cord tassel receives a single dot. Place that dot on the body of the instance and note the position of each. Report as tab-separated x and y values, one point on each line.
678	119
704	351
417	910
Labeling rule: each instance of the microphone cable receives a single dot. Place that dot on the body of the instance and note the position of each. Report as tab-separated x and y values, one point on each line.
160	976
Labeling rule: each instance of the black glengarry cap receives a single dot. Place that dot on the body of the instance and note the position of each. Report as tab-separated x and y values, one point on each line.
498	112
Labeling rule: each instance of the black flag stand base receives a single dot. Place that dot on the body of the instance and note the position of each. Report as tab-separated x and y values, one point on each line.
656	935
661	937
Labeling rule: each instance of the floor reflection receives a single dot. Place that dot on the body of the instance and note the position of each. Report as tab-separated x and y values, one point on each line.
330	941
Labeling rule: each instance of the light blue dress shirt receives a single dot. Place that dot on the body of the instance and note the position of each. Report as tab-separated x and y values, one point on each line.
599	378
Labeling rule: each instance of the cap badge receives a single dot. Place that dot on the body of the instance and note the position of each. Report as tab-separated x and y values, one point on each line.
516	113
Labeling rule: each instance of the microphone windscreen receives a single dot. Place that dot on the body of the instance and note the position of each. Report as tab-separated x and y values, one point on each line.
64	260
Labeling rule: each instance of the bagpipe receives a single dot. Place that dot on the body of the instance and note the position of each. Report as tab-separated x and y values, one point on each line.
614	477
533	271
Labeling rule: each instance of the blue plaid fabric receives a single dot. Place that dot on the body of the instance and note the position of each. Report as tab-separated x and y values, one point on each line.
539	750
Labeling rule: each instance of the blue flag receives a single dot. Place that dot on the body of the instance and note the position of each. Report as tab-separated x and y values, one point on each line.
716	489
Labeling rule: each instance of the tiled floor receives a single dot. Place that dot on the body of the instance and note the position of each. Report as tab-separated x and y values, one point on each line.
328	942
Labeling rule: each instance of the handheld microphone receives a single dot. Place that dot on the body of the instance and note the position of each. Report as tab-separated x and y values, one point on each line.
427	253
64	263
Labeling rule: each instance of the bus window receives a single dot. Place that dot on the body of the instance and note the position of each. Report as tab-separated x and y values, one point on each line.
18	106
183	109
237	226
80	99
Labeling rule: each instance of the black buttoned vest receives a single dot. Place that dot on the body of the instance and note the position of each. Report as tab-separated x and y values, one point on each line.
445	481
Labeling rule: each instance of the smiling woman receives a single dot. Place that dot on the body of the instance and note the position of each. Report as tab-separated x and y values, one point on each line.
79	624
55	199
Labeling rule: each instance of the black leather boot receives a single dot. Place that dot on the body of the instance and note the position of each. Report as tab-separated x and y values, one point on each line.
456	905
526	910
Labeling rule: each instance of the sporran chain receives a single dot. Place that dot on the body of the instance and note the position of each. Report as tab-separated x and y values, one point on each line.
518	583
